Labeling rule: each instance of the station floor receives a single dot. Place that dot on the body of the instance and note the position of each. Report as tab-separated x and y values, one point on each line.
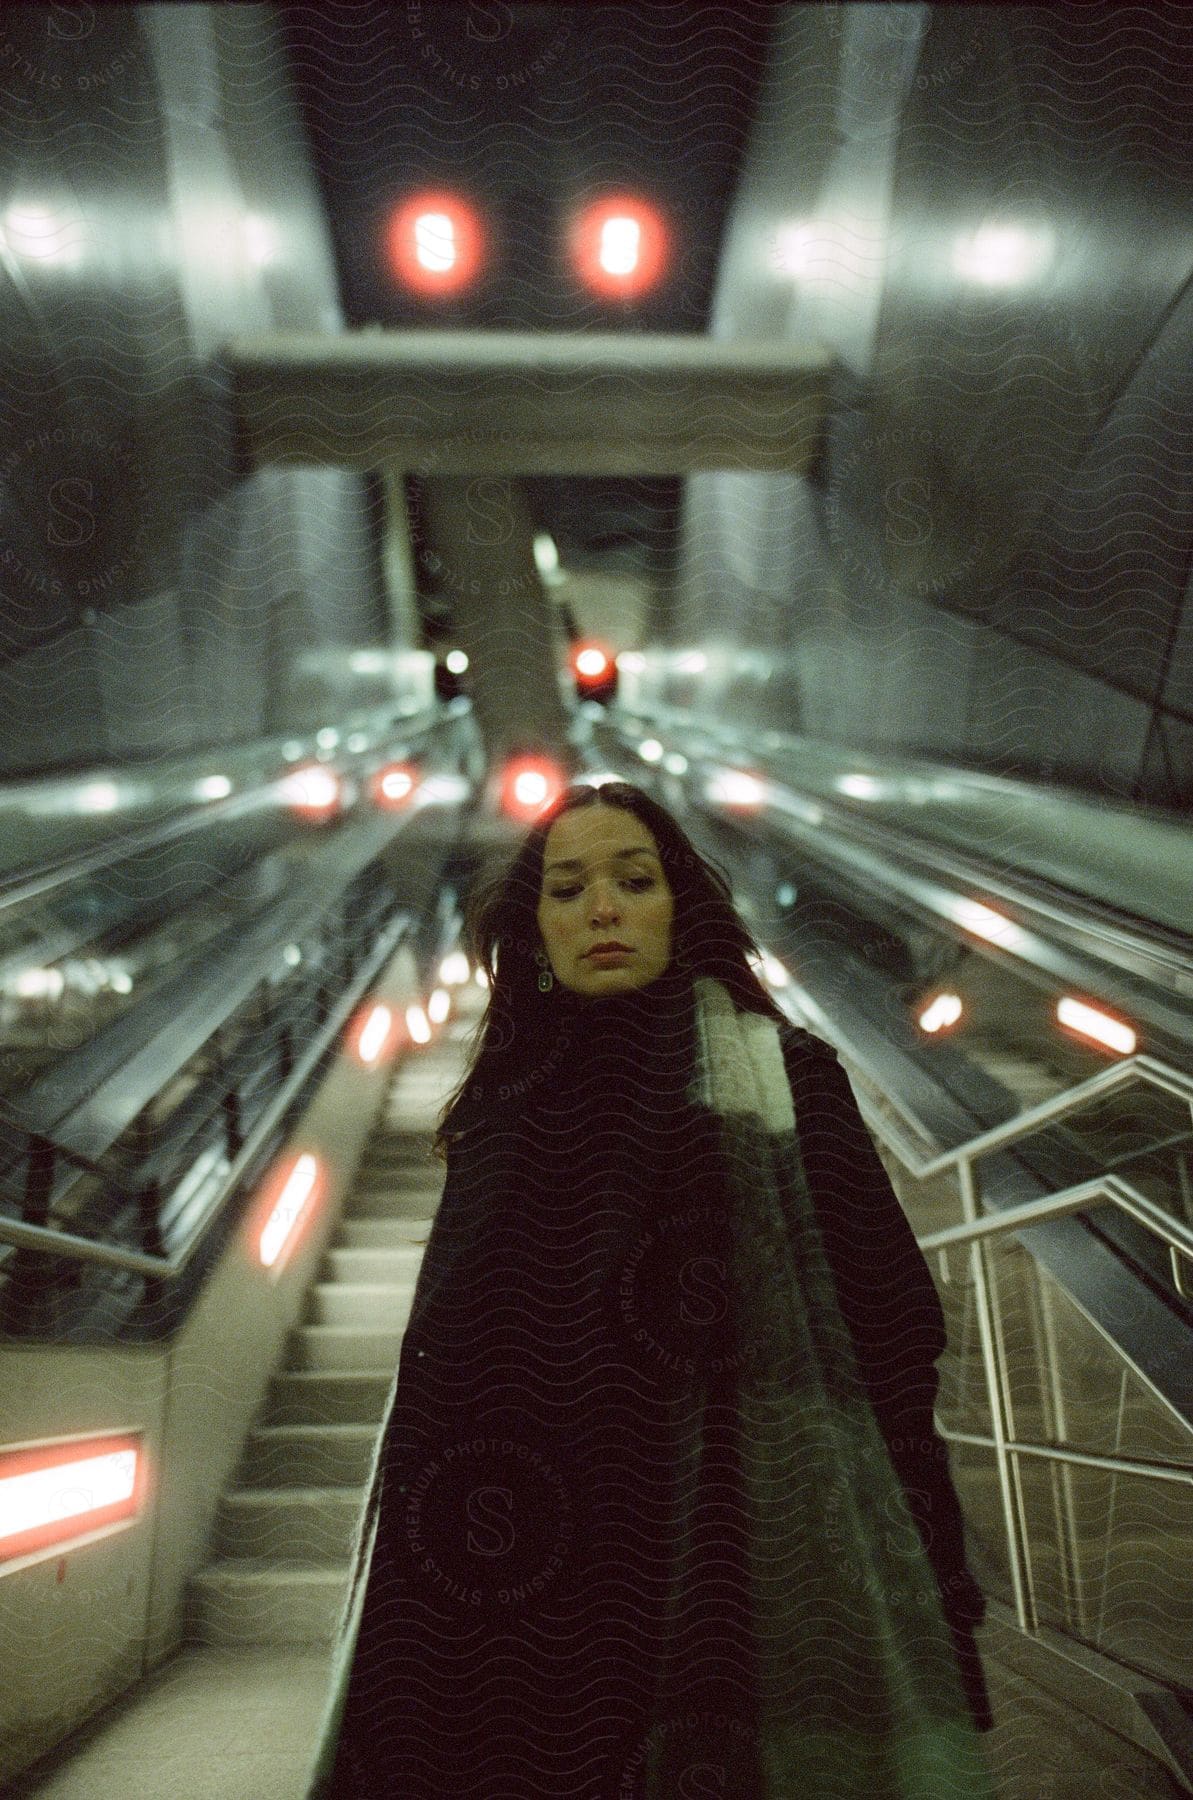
242	1725
209	1724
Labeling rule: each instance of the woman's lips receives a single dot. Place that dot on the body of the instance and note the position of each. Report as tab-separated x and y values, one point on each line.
606	955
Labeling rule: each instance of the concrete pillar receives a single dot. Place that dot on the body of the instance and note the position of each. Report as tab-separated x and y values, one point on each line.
480	531
397	563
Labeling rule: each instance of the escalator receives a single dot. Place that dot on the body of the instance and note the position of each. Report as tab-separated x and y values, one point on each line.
1087	1330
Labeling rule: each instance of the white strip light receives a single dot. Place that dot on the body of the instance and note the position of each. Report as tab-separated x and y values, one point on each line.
945	1010
984	922
733	787
454	968
376	1030
65	1490
768	967
292	1202
858	787
1096	1025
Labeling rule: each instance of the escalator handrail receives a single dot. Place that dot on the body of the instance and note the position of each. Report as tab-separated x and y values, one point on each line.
49	1241
1142	946
39	881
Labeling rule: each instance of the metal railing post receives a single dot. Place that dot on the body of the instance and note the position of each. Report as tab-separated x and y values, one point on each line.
1016	1555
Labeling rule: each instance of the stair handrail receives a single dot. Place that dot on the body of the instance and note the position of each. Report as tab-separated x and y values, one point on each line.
1149	1070
977	1229
1120	1193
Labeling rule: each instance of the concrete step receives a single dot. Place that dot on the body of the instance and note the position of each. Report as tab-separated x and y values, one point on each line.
381	1234
394	1201
425	1170
339	1347
288	1524
365	1306
247	1602
396	1185
401	1150
391	1149
278	1456
321	1399
398	1264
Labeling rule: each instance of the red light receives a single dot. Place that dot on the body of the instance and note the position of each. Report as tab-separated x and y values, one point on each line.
374	1034
618	246
591	663
528	784
435	243
393	786
314	793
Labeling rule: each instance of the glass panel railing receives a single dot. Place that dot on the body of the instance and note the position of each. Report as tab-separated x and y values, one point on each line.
1130	1592
963	1400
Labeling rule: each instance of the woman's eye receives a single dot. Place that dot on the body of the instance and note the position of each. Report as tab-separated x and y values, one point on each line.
638	882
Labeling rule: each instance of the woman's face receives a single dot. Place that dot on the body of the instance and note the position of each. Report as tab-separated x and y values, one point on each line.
603	882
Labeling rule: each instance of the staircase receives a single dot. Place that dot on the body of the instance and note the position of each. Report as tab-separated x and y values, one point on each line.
285	1528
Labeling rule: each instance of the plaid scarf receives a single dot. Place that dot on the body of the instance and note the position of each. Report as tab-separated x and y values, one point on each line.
693	1570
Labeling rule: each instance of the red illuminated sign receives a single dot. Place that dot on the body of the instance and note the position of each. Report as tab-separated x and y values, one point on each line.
393	786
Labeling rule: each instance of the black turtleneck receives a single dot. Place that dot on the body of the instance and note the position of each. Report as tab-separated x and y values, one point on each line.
610	1052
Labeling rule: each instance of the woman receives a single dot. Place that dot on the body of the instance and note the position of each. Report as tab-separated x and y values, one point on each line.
659	1508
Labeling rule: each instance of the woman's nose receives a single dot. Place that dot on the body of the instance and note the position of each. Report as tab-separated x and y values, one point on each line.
604	906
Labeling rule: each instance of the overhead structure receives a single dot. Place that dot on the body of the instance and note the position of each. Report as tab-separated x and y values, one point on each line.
469	412
528	403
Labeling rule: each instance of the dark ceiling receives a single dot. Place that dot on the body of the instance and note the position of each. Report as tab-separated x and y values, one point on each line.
529	111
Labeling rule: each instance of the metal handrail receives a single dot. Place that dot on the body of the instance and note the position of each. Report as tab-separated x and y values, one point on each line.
34	883
1090	1459
1179	1237
66	1244
976	1231
1148	1069
1148	947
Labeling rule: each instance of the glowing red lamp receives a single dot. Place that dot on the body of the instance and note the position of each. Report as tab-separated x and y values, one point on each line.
528	784
618	246
53	1496
595	670
435	243
313	793
291	1196
591	663
393	786
374	1034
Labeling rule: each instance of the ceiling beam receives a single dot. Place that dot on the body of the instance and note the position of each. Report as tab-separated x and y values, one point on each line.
527	403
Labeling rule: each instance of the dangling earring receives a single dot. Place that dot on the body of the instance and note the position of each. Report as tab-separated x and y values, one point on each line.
546	979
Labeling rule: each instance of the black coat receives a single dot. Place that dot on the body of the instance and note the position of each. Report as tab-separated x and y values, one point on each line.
513	1365
890	1304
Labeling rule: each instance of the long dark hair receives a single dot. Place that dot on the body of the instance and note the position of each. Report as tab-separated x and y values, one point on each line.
501	930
